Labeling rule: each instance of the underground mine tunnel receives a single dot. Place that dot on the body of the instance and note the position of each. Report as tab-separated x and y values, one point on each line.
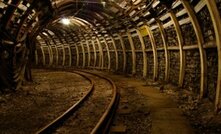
110	66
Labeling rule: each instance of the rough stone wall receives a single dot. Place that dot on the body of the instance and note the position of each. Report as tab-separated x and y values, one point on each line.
161	65
188	34
60	56
46	55
139	56
150	65
121	61
219	6
204	18
80	55
112	56
129	63
171	36
139	64
126	43
86	59
67	56
54	55
91	53
174	67
147	42
40	57
192	71
212	68
158	38
137	43
74	56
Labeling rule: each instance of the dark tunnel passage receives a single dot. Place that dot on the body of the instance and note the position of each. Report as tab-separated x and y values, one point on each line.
174	41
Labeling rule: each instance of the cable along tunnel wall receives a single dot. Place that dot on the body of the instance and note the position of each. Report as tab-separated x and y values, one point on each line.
182	46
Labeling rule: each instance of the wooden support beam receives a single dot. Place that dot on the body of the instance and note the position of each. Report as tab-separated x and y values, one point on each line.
36	57
144	54
124	52
180	43
56	53
70	56
108	54
63	57
89	53
116	53
83	52
43	55
101	56
155	59
163	35
215	16
95	53
133	53
199	35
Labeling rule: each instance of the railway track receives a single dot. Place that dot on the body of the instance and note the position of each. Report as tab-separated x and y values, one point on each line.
91	114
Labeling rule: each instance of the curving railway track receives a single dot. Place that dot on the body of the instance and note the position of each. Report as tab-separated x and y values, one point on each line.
92	113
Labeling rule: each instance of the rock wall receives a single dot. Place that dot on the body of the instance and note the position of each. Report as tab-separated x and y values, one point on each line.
174	67
212	60
192	71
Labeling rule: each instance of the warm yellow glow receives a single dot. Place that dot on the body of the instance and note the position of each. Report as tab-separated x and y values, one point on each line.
65	21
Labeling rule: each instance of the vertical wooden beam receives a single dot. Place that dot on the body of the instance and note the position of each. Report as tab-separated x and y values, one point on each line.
108	53
36	57
180	43
70	56
43	55
50	57
101	56
163	35
155	60
199	35
95	53
63	57
89	53
133	53
124	52
116	53
144	54
215	16
56	50
83	53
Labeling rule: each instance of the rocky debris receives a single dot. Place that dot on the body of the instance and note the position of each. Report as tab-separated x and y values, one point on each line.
199	112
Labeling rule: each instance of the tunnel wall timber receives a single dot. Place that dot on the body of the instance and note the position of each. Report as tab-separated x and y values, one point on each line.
182	47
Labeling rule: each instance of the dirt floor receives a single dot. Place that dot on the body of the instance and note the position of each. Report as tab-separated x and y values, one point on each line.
145	106
36	104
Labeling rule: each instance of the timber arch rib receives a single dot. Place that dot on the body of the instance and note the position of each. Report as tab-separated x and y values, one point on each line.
177	41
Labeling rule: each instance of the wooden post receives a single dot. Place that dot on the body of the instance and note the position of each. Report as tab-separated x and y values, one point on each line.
43	55
116	53
95	53
83	53
124	52
165	50
199	35
89	53
101	56
63	50
153	43
36	57
108	53
144	54
180	43
133	53
215	16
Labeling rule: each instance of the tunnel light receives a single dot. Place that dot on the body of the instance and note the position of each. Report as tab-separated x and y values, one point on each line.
65	21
